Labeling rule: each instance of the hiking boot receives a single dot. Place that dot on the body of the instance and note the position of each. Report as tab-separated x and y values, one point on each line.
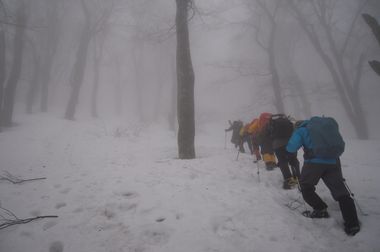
318	214
286	186
289	183
352	230
270	165
292	181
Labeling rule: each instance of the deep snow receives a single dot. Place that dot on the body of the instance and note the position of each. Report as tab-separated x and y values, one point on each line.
119	187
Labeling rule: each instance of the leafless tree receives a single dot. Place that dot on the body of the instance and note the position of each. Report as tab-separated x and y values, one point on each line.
35	80
98	55
323	35
7	218
185	80
375	28
14	179
50	43
93	23
270	10
2	70
22	15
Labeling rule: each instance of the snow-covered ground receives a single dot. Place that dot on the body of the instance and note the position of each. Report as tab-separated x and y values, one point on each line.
119	187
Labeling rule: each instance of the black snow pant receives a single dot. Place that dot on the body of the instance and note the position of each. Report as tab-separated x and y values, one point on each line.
331	174
286	159
248	140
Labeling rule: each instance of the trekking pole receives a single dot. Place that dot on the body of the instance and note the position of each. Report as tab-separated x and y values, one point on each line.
237	156
306	212
258	171
353	196
225	139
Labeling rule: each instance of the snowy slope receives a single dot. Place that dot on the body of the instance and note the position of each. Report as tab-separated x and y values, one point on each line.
118	187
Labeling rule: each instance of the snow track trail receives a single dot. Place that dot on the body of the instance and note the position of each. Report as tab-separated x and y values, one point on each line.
121	188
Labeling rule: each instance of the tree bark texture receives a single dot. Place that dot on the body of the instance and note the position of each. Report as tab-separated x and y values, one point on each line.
78	74
375	28
2	71
270	51
278	101
185	82
52	36
79	67
173	101
138	62
95	88
15	72
34	84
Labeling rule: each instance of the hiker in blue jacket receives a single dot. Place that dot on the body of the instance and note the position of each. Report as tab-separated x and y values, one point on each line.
327	169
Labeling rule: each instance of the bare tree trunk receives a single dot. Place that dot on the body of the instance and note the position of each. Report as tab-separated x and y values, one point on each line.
98	54
80	64
160	85
139	64
173	103
78	71
52	37
2	71
118	89
375	28
285	52
95	88
299	89
278	102
14	76
185	79
373	24
34	84
334	63
270	50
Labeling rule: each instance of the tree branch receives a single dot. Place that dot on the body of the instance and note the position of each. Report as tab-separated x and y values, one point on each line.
15	180
351	30
12	219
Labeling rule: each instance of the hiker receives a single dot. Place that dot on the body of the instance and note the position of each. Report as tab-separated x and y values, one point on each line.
246	138
280	130
254	141
323	163
259	130
235	138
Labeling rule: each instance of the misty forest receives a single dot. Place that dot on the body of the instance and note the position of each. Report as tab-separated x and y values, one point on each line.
132	98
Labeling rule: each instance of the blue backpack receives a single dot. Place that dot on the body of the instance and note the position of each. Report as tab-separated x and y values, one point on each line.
325	137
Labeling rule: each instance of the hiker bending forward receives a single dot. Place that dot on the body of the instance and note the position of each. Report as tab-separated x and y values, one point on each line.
327	169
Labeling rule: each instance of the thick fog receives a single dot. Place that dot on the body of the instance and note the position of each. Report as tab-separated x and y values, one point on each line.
301	58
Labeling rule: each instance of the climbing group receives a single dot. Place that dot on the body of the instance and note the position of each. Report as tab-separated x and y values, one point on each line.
272	137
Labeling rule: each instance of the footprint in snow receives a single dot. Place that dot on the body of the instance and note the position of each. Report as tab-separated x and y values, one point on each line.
78	210
49	225
129	195
35	212
60	205
223	226
155	236
161	219
126	207
65	191
56	246
26	234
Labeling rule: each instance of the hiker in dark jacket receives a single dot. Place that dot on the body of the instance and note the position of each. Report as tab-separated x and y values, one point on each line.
327	169
235	126
281	129
246	138
286	160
